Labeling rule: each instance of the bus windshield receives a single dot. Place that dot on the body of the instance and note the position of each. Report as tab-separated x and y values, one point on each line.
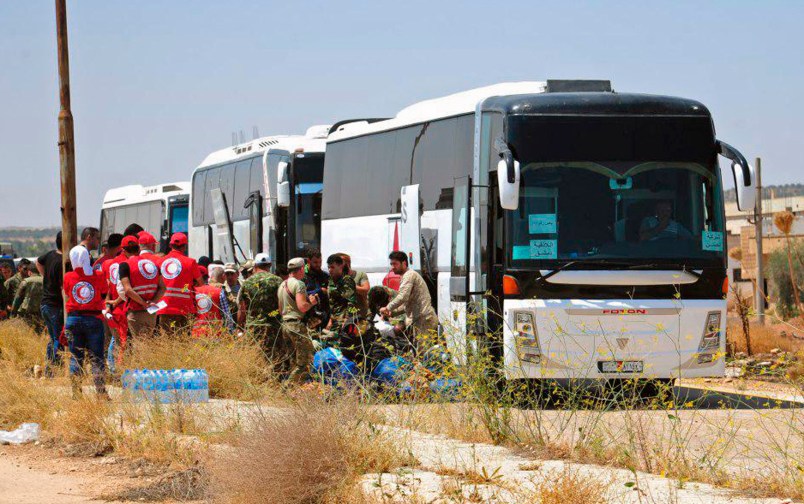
636	211
582	210
308	182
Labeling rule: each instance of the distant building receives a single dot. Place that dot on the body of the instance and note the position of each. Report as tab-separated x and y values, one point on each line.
740	232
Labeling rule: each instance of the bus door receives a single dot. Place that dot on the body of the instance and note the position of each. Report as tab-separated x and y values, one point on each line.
177	215
459	281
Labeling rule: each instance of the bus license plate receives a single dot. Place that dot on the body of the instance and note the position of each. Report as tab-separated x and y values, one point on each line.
620	366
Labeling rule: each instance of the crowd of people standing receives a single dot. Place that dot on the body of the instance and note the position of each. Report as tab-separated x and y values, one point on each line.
131	292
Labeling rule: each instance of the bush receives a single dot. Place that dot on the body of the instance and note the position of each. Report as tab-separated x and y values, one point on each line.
312	452
779	276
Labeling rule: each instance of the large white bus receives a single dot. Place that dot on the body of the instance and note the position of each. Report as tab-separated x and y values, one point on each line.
260	196
579	230
161	210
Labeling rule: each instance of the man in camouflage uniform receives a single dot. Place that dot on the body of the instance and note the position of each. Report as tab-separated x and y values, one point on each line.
258	310
13	283
342	293
293	304
28	301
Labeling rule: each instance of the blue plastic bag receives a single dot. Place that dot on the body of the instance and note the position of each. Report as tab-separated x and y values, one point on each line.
446	388
391	370
333	366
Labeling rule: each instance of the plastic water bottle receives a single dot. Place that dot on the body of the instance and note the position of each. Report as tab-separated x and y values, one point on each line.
204	385
176	392
149	385
187	385
162	383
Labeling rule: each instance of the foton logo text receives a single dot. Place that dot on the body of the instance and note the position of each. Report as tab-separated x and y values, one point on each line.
629	311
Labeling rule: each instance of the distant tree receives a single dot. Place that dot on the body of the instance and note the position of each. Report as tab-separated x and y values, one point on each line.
784	223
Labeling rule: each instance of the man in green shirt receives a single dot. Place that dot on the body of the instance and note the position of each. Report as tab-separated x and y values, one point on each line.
362	285
258	307
293	304
13	283
342	293
28	300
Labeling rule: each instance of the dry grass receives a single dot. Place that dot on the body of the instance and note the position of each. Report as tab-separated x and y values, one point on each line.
795	372
312	452
23	399
20	346
764	338
236	366
185	485
570	486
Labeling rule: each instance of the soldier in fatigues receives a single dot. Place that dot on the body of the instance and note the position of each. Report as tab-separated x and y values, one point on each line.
342	293
258	310
13	283
28	300
293	304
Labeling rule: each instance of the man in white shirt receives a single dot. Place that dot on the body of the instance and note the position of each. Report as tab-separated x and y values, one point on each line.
661	226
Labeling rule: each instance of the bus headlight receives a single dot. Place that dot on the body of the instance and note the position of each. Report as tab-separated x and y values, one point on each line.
711	334
527	338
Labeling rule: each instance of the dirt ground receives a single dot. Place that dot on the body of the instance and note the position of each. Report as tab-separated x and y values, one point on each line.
40	474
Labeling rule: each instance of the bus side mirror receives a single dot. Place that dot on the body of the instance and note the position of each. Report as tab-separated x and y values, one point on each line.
282	185
744	179
746	194
508	181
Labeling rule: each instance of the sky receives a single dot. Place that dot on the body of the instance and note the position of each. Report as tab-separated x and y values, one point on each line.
156	86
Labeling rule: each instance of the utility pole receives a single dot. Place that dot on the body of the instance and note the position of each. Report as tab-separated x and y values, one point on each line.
759	295
69	227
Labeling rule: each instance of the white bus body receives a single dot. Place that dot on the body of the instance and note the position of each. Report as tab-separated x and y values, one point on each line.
160	209
535	204
271	174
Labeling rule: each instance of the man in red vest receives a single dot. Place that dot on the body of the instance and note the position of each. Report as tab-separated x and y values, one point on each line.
180	275
209	315
84	292
115	304
148	246
143	287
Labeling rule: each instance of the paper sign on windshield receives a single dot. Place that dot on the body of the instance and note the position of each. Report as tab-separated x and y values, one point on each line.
543	249
521	252
542	223
712	241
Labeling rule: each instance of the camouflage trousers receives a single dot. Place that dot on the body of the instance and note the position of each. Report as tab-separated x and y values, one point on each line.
269	336
300	350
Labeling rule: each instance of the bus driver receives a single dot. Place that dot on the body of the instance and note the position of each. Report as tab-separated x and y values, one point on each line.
661	226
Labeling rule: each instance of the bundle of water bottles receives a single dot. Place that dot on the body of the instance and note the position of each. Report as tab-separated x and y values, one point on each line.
167	385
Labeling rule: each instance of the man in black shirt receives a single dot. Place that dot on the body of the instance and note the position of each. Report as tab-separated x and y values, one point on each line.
52	307
316	279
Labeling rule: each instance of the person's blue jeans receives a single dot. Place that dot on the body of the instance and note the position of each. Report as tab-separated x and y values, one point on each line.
85	334
54	321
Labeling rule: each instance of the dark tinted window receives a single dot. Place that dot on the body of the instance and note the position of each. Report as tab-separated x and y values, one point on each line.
242	177
364	175
443	153
256	183
198	198
210	184
227	185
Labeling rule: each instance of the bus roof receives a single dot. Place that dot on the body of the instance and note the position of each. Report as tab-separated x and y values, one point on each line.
137	193
461	103
313	140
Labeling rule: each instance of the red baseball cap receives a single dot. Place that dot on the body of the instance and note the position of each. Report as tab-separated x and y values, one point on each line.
146	238
129	241
203	270
178	239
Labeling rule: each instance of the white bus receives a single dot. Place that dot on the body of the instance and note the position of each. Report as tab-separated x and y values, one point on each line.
260	196
161	210
581	229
